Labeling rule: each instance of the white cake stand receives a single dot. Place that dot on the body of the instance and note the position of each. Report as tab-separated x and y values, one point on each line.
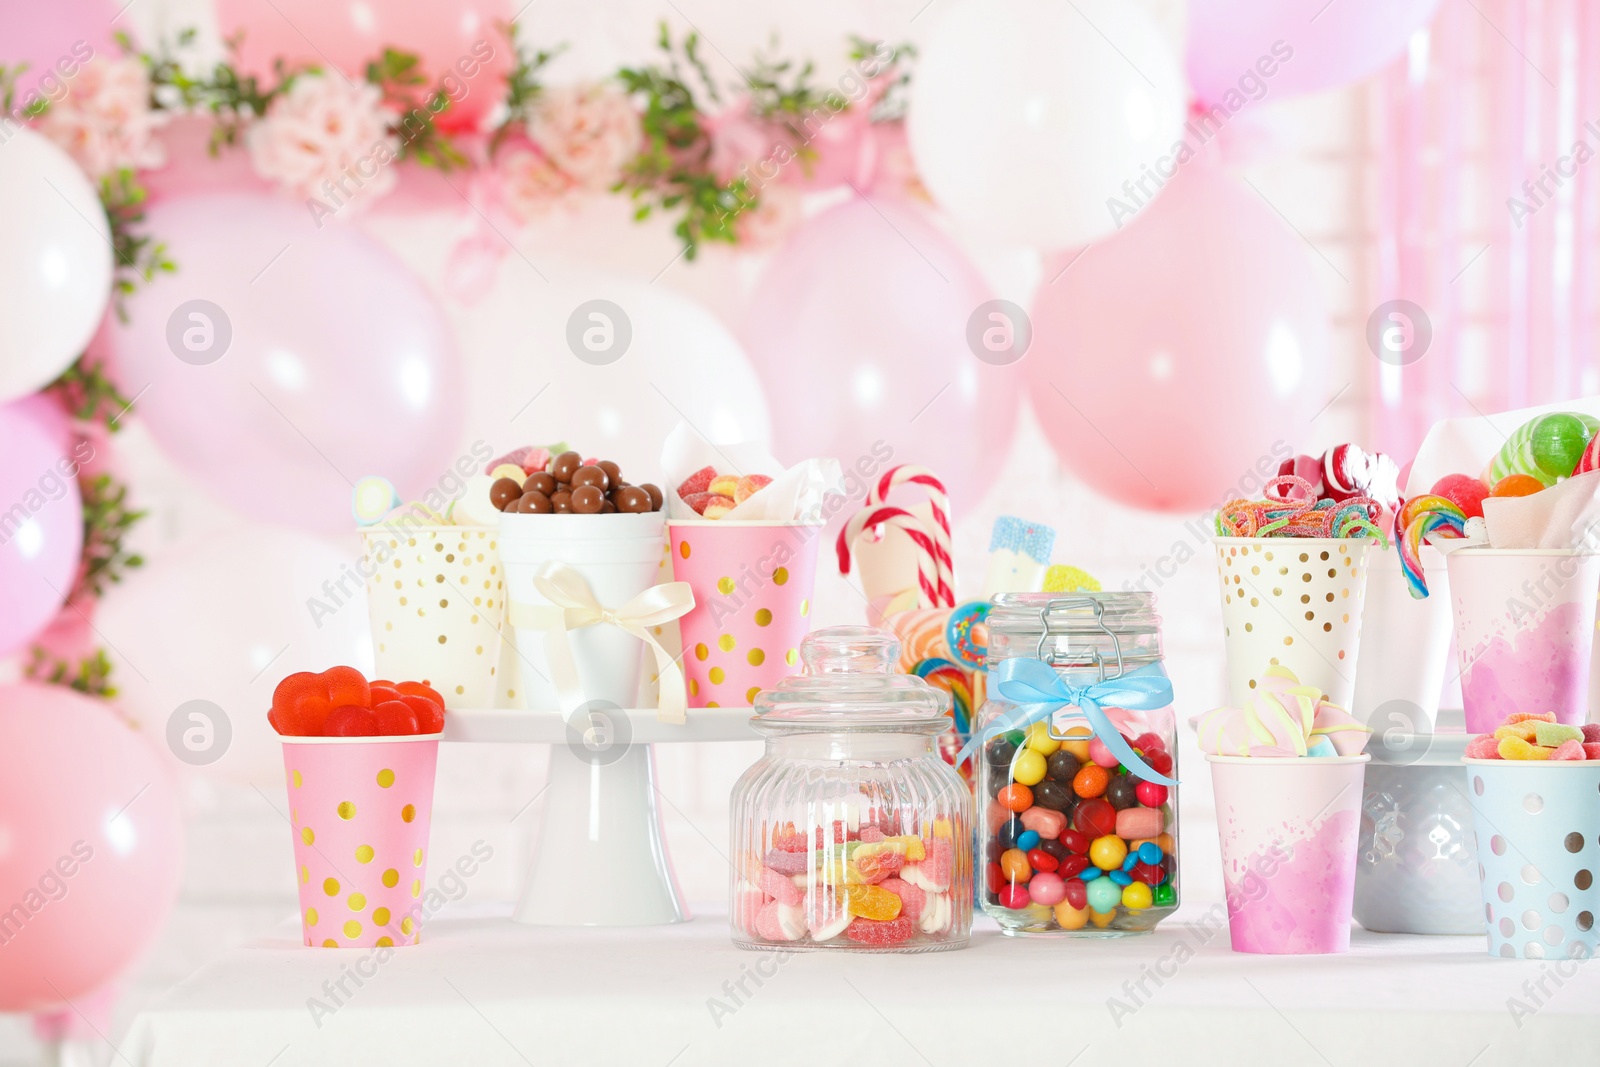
600	858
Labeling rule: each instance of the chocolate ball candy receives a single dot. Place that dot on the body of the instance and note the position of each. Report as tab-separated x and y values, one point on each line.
656	499
1063	766
613	471
563	466
503	493
539	482
534	503
998	752
1053	795
609	507
1008	833
591	476
632	500
588	500
1121	792
561	501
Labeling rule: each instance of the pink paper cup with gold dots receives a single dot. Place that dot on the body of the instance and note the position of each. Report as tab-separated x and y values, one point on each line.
360	808
752	584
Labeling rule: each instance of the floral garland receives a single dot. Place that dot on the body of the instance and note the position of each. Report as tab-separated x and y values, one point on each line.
665	134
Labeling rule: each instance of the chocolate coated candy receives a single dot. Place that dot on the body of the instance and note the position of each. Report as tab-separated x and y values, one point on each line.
608	507
632	499
1122	792
1053	795
588	500
504	492
613	471
998	753
563	466
561	501
539	481
1009	831
534	503
591	476
656	498
1063	766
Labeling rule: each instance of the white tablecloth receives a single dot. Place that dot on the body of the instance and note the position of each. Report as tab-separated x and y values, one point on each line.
486	992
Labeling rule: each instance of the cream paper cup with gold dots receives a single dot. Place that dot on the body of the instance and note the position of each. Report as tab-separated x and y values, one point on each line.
436	600
360	809
1294	602
752	582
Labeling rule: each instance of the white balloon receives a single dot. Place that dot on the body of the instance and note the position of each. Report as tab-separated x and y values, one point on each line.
1027	117
608	365
223	620
55	261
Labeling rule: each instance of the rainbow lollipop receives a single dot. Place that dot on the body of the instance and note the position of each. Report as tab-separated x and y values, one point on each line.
1419	517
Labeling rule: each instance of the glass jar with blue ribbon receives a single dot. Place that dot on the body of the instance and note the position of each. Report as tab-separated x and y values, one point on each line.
1076	778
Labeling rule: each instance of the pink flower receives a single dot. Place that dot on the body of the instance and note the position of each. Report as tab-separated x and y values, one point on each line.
104	121
326	139
590	131
529	184
770	220
738	140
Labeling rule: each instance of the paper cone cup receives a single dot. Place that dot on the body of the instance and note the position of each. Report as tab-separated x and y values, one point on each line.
1295	602
1524	624
435	601
1538	855
360	808
618	555
1289	830
1405	644
752	585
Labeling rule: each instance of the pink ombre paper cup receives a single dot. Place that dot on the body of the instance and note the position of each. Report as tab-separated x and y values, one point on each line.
360	808
1524	622
752	585
1288	829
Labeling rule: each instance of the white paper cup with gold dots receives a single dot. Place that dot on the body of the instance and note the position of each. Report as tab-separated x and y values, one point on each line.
436	601
1295	602
753	582
360	809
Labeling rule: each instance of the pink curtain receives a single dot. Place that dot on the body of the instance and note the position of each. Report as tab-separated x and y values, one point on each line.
1495	94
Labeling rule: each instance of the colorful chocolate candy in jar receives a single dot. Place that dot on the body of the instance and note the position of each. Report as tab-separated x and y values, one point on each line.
1077	779
851	832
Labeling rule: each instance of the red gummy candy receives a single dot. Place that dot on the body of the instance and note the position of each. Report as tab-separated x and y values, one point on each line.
346	685
420	689
1096	818
698	501
879	865
351	721
880	932
785	862
698	482
381	691
301	705
429	713
1591	732
787	839
396	717
912	898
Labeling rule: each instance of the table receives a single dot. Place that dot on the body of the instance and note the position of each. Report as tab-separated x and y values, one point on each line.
484	991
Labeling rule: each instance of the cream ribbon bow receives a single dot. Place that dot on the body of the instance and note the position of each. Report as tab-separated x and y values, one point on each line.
573	606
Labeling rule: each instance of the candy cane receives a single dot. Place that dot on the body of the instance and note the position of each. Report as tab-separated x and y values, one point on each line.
939	504
927	559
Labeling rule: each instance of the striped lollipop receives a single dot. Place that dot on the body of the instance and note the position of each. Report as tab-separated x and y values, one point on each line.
1417	519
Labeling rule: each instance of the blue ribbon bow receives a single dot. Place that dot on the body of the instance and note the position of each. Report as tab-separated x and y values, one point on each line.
1039	691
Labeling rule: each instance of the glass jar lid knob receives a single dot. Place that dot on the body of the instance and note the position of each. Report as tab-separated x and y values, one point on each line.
850	650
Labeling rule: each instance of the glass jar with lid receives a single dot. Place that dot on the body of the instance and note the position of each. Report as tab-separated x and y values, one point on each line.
1077	783
851	832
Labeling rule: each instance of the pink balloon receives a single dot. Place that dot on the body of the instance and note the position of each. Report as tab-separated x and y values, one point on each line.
55	40
1241	50
190	167
1175	363
41	517
93	845
282	362
458	42
859	331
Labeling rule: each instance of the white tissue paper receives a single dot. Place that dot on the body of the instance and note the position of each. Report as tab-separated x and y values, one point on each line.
795	495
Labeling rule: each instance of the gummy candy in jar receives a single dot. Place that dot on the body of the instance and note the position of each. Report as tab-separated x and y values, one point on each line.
1077	797
851	832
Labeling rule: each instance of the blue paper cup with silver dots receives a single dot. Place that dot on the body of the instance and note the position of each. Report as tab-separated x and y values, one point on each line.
1537	829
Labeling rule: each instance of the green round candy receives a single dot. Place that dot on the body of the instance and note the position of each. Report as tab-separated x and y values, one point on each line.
1104	894
1558	443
